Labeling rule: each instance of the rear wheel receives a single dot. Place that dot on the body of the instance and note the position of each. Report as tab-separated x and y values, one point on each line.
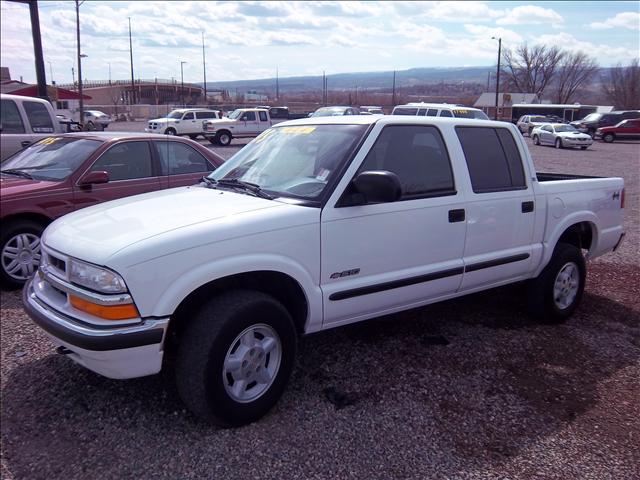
559	143
536	140
19	252
554	295
235	358
608	137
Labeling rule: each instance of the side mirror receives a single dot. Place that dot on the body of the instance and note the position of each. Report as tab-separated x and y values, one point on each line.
377	186
93	178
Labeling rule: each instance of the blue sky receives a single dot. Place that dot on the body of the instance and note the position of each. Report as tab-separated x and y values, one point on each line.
247	40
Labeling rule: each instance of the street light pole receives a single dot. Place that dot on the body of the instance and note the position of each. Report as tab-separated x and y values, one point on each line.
204	71
495	116
132	99
182	82
81	119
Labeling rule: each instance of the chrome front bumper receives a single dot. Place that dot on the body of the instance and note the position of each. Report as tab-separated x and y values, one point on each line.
113	351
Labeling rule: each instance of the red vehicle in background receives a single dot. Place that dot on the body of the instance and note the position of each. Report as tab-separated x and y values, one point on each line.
63	173
625	130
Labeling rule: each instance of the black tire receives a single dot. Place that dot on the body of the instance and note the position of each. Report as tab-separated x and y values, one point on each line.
541	299
207	341
8	245
170	131
559	143
592	133
193	136
530	130
583	148
90	127
212	140
608	137
224	138
536	140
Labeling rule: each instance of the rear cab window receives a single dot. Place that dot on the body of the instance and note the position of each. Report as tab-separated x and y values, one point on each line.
404	111
493	159
38	117
11	120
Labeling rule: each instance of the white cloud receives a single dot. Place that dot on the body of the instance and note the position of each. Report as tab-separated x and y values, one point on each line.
630	20
531	15
606	55
482	32
448	11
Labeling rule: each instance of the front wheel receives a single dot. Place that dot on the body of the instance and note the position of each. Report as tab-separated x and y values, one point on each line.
583	148
554	295
536	140
608	137
559	143
530	130
170	131
19	252
235	358
223	138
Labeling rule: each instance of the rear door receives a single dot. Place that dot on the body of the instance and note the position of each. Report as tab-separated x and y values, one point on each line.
182	164
131	170
500	208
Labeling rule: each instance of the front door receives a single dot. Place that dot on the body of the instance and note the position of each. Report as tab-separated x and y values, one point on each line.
131	171
382	257
249	124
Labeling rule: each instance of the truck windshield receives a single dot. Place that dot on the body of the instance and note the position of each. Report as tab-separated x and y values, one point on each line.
176	114
52	158
295	162
235	114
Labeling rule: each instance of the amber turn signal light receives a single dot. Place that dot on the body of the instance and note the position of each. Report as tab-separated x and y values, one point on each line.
111	312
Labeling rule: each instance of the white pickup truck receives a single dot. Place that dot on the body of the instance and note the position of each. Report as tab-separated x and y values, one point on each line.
316	223
183	121
241	123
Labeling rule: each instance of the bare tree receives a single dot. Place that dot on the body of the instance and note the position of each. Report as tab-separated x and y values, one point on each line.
622	88
575	70
531	69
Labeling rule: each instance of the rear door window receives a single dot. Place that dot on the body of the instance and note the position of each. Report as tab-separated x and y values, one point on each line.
39	117
446	113
493	159
205	115
177	159
11	120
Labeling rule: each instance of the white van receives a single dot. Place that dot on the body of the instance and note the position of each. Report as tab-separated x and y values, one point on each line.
25	120
439	110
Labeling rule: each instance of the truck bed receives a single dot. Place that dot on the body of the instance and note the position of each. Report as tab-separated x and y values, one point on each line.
551	177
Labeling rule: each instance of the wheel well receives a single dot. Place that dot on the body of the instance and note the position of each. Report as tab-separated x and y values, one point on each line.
34	217
579	235
224	130
276	284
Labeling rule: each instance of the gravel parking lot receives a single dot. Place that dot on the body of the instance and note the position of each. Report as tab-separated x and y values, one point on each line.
466	389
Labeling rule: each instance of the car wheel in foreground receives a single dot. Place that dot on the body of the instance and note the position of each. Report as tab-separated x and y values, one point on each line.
559	143
223	138
536	140
235	358
555	293
19	252
170	131
608	137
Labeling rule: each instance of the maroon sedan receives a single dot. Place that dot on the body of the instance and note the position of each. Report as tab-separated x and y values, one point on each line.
63	173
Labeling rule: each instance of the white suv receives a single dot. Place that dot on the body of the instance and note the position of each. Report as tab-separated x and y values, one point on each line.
184	121
439	110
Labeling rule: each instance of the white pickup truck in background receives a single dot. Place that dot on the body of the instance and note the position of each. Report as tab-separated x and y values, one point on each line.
183	121
316	223
241	123
25	120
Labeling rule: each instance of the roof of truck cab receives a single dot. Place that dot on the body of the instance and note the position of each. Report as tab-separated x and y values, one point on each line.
390	119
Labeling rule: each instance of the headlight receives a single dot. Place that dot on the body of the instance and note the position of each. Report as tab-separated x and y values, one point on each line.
95	278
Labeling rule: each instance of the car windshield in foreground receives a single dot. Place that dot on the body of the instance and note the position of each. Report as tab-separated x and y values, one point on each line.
564	128
175	114
295	162
52	158
467	113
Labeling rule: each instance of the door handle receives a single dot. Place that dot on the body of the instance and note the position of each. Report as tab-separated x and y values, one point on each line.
456	215
25	143
527	207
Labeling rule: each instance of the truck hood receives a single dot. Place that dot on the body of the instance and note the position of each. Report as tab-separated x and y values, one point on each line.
164	120
219	121
11	186
97	233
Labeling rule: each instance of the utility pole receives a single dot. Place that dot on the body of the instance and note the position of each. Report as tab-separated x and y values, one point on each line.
277	86
132	98
73	78
393	94
204	71
495	117
81	119
109	73
182	83
37	47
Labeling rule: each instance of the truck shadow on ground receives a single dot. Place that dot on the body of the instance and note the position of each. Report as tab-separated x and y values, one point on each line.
463	384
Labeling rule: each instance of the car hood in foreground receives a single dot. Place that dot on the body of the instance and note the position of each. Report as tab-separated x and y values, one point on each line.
159	223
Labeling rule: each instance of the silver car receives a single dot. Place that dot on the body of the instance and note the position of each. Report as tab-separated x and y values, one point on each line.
560	135
527	123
